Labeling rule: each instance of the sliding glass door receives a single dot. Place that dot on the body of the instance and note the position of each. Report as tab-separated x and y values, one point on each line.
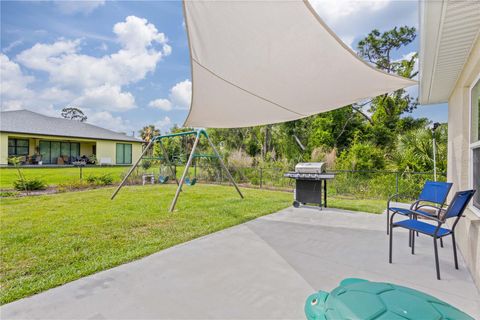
45	151
52	150
124	153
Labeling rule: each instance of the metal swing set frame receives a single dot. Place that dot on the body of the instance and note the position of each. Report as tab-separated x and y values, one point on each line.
198	133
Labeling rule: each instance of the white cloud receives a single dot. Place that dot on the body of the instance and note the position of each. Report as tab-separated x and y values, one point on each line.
181	94
164	124
106	120
68	67
15	94
48	110
12	45
78	6
333	10
180	97
96	82
136	33
352	20
167	50
106	97
13	82
10	105
162	104
55	95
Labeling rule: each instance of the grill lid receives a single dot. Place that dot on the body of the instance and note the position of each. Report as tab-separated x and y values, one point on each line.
310	167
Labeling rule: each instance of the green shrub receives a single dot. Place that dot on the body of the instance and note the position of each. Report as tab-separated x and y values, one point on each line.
29	184
101	180
361	156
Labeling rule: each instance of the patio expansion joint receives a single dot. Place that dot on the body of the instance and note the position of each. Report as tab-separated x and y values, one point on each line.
280	256
266	242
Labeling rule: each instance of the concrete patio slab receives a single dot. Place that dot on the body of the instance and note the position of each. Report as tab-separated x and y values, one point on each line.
263	269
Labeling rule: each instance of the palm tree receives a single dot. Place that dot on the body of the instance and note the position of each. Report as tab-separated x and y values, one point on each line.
415	150
148	132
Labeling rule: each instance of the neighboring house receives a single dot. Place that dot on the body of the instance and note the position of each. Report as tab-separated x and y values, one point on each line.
41	140
450	72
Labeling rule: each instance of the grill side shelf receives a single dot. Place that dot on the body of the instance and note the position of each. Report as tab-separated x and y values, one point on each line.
309	176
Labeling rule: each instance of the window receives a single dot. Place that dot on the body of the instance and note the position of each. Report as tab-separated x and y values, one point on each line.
476	177
18	147
475	143
51	150
124	153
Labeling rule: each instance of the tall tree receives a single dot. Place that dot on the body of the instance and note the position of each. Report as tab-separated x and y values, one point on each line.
385	111
378	48
73	113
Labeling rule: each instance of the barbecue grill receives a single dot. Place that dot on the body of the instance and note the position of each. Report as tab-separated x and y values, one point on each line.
310	177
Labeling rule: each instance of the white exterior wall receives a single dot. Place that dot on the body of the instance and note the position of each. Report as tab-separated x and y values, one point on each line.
106	149
459	159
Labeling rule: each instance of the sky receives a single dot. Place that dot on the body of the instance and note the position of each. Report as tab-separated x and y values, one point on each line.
126	63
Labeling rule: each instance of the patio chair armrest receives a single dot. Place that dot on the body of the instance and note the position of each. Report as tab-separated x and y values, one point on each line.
418	213
438	209
395	196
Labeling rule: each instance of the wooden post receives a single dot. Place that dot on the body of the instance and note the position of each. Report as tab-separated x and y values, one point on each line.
182	180
224	167
131	169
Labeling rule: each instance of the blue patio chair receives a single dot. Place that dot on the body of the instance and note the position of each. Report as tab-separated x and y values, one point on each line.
455	210
433	197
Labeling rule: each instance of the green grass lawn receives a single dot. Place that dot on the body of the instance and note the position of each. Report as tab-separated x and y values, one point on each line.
365	205
55	176
53	239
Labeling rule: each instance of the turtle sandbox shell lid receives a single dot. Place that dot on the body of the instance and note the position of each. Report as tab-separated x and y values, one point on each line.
365	300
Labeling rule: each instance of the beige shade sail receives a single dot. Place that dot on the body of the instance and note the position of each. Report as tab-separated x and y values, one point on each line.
263	62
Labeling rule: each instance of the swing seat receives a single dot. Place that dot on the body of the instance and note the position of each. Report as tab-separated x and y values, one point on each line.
190	182
163	179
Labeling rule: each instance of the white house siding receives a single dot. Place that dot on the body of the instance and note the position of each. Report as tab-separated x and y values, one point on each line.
459	165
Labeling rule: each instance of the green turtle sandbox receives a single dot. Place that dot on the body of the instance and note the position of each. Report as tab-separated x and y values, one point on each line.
362	299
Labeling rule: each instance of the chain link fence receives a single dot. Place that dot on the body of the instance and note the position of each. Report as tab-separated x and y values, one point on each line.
361	184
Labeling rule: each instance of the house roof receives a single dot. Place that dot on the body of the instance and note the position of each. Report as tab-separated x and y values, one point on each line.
449	30
28	122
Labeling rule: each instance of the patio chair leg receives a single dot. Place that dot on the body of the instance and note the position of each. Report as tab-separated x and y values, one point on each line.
413	243
437	265
388	221
411	233
455	251
441	242
415	232
390	246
